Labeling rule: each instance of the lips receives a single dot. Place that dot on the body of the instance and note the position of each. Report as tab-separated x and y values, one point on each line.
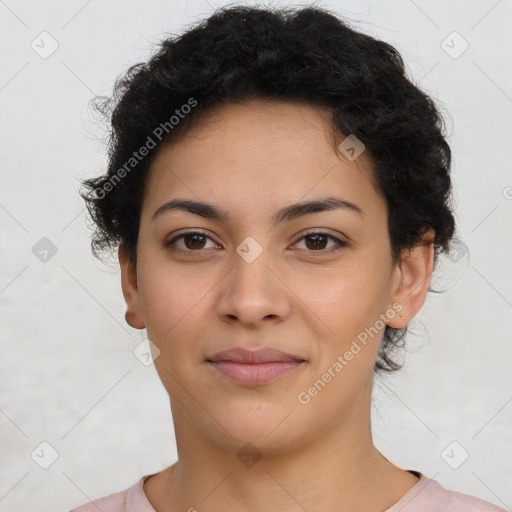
261	355
254	367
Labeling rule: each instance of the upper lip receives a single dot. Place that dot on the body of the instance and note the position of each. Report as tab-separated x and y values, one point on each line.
260	355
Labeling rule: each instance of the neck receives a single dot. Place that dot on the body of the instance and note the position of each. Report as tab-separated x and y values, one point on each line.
340	469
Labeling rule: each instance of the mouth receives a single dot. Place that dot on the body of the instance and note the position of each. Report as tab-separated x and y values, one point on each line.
254	367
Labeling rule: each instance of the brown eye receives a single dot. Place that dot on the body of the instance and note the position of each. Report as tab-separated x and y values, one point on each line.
191	243
194	241
317	242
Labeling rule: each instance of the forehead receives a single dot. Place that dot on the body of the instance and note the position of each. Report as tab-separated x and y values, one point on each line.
260	152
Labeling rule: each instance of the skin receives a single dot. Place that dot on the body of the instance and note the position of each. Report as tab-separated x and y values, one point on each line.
251	160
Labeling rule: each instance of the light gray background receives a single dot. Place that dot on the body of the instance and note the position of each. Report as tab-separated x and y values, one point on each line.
68	376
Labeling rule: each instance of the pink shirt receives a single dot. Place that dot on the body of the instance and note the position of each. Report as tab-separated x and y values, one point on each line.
426	496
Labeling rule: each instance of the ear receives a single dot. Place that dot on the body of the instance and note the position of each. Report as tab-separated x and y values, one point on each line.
134	313
411	280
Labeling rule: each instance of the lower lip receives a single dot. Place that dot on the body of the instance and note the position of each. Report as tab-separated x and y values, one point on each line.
255	373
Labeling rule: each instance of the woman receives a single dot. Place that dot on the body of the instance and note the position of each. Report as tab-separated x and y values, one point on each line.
279	193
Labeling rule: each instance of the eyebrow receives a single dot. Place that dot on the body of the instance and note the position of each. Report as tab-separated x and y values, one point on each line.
290	212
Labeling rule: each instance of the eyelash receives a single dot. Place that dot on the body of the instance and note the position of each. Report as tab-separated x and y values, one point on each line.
200	252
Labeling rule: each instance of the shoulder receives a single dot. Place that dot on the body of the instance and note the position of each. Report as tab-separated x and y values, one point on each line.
456	501
115	502
428	495
131	499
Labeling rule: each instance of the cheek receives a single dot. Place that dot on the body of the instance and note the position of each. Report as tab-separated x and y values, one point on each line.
344	296
347	304
165	300
177	310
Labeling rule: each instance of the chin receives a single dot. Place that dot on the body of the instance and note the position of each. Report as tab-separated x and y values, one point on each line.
270	427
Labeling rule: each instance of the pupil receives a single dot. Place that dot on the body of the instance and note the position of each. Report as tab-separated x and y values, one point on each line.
315	244
195	237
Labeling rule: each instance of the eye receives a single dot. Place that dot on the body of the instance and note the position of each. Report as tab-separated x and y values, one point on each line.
193	242
315	243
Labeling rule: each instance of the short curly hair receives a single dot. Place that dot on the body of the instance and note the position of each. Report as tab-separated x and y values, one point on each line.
303	54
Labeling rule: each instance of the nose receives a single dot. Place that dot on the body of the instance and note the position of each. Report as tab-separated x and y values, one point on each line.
252	293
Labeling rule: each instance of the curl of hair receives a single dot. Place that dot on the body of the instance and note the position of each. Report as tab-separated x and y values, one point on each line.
303	54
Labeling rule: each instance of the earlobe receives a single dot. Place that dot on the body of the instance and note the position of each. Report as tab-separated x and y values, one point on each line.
134	315
414	274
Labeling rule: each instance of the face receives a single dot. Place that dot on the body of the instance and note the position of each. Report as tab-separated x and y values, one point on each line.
319	285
